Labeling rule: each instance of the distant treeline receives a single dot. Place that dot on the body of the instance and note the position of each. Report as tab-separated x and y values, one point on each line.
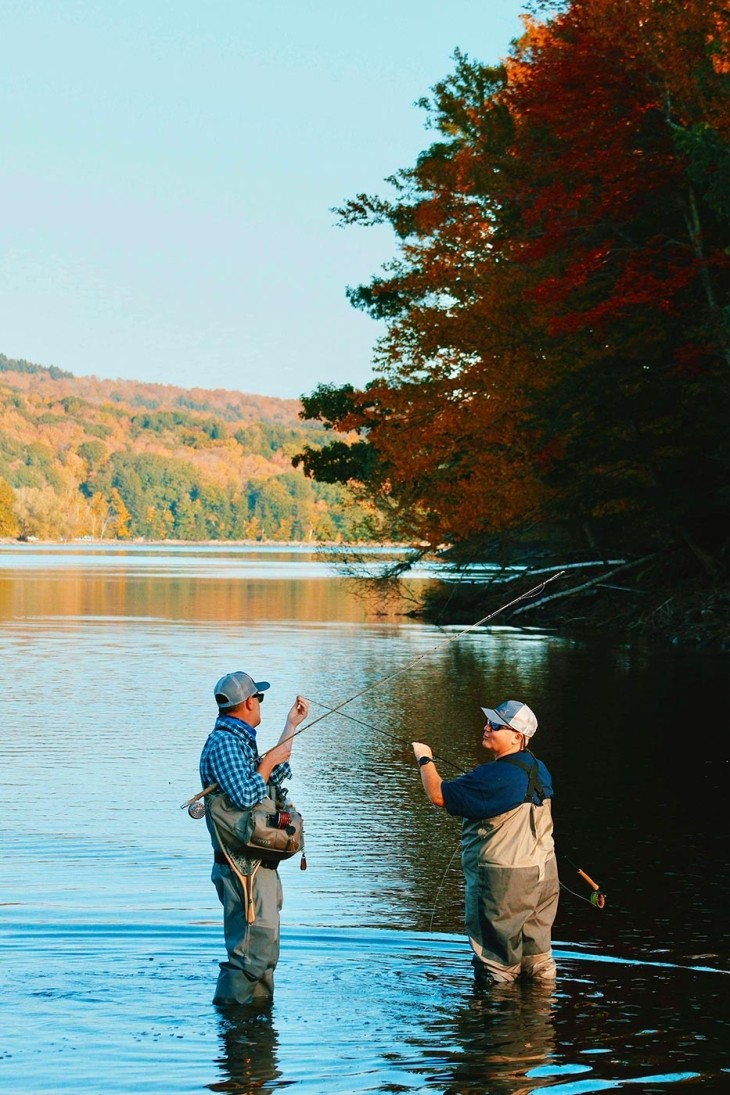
84	457
11	365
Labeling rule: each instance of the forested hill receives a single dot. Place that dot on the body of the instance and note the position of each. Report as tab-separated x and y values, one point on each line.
81	456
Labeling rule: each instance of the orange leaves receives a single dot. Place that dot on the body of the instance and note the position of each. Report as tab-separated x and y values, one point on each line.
557	312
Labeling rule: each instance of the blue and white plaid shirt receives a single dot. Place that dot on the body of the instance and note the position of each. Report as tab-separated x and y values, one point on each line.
230	758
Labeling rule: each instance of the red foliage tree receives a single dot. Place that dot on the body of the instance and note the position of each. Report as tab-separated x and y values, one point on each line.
557	319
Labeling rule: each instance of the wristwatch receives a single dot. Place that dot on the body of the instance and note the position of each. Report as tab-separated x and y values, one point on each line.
424	760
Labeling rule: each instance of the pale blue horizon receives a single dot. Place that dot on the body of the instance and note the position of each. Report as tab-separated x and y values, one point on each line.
170	169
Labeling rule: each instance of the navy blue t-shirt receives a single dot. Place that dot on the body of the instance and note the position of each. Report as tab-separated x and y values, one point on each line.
493	789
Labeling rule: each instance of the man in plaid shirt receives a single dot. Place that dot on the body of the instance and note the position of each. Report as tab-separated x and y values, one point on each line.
231	759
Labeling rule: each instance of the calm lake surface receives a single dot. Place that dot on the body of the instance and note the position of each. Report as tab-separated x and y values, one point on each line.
110	930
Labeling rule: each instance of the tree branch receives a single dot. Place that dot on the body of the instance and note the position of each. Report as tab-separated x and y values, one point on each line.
584	585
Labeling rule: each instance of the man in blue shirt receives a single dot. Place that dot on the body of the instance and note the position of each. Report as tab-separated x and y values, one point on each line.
251	896
508	855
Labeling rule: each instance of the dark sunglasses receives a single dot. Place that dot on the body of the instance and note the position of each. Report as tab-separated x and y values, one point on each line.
495	727
258	696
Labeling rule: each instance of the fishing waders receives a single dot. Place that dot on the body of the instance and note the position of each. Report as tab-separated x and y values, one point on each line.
511	905
251	907
509	916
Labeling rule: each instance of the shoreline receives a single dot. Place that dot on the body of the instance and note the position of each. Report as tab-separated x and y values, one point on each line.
312	545
665	603
675	611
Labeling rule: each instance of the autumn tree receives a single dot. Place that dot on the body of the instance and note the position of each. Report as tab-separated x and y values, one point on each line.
99	516
119	515
554	371
8	520
628	255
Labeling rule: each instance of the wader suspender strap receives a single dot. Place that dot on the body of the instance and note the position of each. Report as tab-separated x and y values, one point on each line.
534	785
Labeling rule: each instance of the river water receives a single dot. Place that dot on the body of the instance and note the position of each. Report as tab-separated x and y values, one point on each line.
110	931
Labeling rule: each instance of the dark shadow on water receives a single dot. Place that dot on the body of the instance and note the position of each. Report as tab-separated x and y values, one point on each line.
248	1058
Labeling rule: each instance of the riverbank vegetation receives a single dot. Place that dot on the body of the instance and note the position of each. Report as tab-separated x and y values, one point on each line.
122	459
554	382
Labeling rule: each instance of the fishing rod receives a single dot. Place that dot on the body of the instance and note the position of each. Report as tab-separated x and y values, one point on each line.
337	709
598	897
534	592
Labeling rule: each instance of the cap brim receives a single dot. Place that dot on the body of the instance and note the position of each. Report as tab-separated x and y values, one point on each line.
261	686
494	717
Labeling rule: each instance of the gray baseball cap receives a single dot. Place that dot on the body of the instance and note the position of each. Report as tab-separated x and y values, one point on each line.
236	687
515	714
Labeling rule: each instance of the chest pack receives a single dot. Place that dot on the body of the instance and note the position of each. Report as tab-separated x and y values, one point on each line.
528	763
270	831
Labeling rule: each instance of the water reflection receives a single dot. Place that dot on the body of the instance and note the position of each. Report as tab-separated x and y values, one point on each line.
82	596
248	1051
497	1040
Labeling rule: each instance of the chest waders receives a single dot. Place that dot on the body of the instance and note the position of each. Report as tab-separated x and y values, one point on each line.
528	764
510	907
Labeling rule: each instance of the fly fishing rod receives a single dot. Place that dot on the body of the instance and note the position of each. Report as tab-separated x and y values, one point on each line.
597	898
534	592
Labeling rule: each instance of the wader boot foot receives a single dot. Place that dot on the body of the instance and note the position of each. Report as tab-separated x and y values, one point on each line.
236	988
489	975
539	967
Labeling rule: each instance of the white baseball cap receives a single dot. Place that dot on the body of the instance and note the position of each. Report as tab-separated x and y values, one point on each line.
515	714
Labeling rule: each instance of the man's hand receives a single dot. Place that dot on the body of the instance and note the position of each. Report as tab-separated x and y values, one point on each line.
278	754
430	778
298	713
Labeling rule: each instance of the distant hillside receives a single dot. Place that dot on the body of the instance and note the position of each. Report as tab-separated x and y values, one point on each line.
55	383
81	456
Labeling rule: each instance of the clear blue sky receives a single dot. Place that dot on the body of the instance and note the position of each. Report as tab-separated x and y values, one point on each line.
169	166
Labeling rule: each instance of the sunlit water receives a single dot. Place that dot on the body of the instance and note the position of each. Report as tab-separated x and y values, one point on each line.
110	931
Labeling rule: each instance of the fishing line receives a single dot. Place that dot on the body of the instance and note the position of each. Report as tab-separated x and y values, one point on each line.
588	900
386	733
534	592
441	884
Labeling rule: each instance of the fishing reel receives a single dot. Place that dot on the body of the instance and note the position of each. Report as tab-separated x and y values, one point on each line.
281	820
598	898
197	809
